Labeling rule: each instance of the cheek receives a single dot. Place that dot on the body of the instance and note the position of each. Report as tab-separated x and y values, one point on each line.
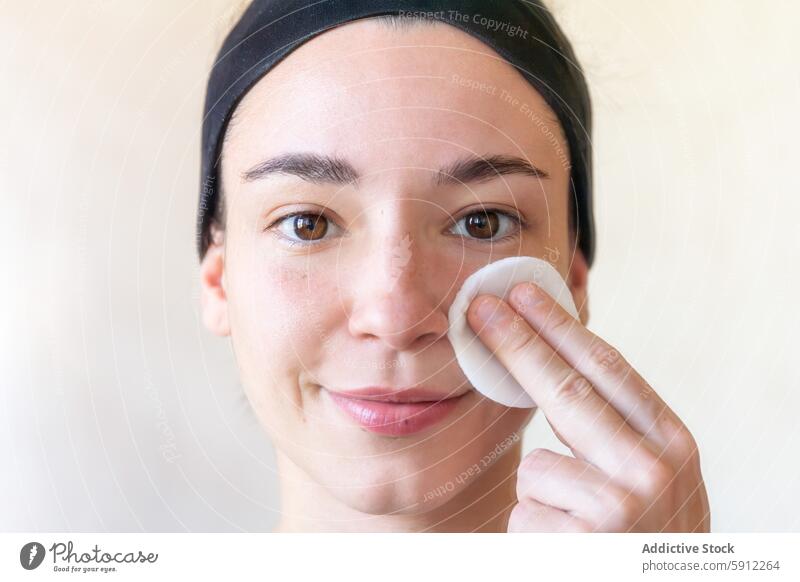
277	319
299	296
280	312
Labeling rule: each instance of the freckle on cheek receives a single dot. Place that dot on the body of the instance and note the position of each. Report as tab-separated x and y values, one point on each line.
291	278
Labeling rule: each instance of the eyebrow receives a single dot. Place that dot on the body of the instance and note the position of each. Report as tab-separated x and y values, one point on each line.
321	169
310	167
475	169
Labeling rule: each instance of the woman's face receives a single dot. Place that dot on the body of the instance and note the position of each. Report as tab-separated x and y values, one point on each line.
355	291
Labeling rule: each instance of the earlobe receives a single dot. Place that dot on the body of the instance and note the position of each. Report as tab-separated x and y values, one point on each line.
578	281
213	297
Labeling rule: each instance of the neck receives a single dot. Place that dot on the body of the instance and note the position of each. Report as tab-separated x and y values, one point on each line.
483	506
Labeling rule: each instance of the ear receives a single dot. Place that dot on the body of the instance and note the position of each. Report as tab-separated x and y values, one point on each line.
213	299
578	282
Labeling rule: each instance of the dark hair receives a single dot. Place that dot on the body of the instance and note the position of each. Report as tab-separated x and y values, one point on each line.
270	29
217	216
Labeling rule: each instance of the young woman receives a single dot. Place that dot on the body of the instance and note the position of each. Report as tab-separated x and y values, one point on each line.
360	160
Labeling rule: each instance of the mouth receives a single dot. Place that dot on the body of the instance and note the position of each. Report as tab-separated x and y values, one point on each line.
394	412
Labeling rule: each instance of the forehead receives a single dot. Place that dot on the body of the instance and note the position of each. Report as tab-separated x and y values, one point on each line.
396	95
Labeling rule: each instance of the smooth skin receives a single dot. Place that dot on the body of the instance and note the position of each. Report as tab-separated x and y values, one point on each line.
367	303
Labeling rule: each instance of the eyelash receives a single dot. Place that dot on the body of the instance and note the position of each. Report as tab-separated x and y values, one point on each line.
520	222
289	241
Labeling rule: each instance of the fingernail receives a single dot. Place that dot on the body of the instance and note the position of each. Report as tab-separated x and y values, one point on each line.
487	308
527	295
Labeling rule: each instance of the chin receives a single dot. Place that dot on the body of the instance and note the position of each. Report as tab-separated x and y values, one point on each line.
412	477
390	487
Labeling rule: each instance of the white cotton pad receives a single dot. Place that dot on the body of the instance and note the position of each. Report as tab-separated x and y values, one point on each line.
482	368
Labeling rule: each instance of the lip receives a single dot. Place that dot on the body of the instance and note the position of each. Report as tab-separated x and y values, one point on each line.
395	412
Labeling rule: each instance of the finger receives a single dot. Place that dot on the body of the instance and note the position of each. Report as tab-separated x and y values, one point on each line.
532	516
610	374
564	441
591	427
579	488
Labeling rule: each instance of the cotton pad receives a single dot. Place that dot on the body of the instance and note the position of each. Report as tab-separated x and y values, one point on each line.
482	368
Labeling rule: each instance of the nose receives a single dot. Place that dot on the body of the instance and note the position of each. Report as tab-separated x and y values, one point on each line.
397	301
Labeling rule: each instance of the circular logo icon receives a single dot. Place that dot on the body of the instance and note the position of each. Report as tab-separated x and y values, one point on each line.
31	555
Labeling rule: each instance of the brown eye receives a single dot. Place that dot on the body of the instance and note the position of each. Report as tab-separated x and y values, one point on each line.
303	228
482	224
310	227
490	225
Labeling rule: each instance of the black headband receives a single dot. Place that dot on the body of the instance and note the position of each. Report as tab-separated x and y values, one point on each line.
522	32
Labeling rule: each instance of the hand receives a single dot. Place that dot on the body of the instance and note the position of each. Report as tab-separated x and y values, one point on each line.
636	466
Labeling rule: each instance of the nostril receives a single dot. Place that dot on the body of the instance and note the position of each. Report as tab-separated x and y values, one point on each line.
428	340
402	322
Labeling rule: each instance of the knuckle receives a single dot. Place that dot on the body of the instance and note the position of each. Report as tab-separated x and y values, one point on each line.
572	389
520	342
530	469
606	359
668	422
680	439
685	445
536	460
657	479
557	320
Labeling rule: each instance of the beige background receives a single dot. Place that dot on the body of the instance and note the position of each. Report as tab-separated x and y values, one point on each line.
120	412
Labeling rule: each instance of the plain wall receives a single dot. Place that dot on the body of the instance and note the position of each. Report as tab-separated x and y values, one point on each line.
120	412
